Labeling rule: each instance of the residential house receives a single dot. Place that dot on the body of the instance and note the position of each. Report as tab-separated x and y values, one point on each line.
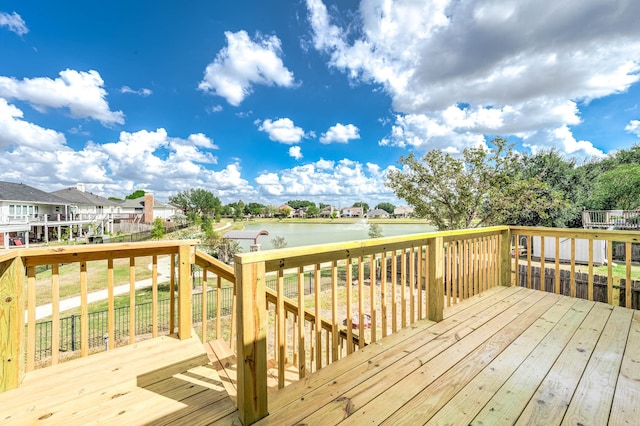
329	212
287	207
403	211
28	214
352	212
378	213
145	209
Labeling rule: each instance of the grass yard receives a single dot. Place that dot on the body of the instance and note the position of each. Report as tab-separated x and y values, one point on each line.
69	277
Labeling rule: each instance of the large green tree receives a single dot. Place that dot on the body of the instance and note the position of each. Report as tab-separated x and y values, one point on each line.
197	201
618	188
561	175
387	207
481	188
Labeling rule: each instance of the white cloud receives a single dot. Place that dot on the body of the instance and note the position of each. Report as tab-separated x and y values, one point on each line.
633	127
563	139
243	64
340	133
81	92
295	152
513	79
14	131
336	182
141	92
14	22
282	130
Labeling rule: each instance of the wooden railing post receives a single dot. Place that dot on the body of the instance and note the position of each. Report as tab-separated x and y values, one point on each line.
11	323
505	258
436	279
186	260
252	341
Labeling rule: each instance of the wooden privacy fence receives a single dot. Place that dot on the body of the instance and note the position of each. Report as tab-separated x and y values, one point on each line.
375	288
565	249
580	281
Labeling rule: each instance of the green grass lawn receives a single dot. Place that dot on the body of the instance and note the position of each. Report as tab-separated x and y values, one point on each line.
69	277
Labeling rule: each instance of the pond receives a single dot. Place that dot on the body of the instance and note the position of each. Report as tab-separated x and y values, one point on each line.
302	234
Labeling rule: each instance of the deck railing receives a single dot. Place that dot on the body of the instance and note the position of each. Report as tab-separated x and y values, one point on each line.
373	288
21	285
611	219
303	308
590	264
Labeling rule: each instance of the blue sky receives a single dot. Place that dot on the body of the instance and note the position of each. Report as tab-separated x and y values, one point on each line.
277	100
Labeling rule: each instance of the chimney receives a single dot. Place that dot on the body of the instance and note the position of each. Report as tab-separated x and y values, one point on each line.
148	207
80	186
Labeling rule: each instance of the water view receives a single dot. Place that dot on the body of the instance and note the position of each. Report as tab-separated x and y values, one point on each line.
302	234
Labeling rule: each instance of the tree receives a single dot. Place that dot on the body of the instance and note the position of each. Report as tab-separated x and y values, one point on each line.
284	212
560	175
238	211
387	207
200	202
227	249
135	194
255	209
618	188
157	231
365	206
313	211
299	204
278	242
481	188
375	231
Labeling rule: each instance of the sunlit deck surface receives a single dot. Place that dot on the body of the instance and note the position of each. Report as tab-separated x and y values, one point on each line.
509	355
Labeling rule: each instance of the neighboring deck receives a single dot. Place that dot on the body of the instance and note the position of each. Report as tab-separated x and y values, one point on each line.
509	355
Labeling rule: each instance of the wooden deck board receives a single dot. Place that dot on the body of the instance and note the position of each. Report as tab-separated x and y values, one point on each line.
522	358
626	409
591	403
492	336
511	355
330	401
482	373
152	381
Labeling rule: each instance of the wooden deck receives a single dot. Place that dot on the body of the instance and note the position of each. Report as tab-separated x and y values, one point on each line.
510	355
159	381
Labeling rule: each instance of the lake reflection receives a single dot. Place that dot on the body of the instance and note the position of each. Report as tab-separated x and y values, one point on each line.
302	234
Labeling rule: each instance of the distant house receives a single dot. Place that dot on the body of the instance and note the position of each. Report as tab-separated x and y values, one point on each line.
145	209
403	211
352	212
285	207
301	212
86	203
28	214
329	212
377	213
